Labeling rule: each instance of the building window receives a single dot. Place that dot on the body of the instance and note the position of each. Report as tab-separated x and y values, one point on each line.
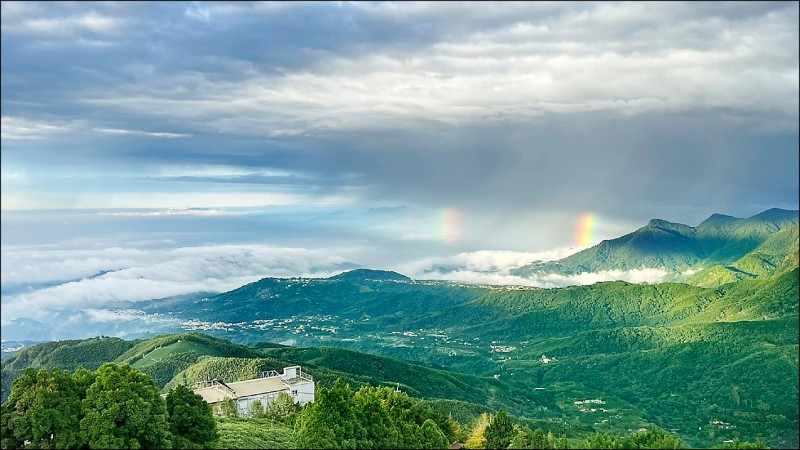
294	392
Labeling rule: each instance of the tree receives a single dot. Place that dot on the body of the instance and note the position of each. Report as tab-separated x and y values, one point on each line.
525	438
735	395
539	440
602	440
43	409
380	428
83	379
520	440
229	408
124	409
500	431
330	422
655	438
432	436
191	421
407	414
283	408
744	444
257	409
477	437
561	442
452	429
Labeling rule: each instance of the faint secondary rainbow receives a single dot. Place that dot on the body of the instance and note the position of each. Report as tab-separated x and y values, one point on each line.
450	224
584	232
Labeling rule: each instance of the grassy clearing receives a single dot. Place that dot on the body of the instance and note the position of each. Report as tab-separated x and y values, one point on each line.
254	433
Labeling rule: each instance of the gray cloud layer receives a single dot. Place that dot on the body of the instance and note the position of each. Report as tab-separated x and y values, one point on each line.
669	109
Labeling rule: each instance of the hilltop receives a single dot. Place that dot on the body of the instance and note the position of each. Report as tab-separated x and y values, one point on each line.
370	275
720	240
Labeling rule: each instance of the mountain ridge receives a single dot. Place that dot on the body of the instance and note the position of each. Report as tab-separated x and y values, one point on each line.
370	274
675	247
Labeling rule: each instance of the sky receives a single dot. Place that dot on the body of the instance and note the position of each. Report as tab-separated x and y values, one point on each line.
159	148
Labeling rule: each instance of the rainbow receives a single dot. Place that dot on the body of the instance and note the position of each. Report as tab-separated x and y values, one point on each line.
584	233
450	224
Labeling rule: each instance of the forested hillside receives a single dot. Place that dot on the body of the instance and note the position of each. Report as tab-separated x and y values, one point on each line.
711	362
720	240
643	348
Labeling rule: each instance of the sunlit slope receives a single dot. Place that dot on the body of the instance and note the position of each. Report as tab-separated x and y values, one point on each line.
683	355
553	312
359	369
165	356
674	247
776	255
356	293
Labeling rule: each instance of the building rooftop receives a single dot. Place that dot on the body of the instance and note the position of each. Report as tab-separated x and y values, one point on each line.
215	391
214	394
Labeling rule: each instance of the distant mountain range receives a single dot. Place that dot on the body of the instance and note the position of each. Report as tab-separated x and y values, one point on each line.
687	357
723	248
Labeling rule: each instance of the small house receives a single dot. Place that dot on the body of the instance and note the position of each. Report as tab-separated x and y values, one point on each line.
297	384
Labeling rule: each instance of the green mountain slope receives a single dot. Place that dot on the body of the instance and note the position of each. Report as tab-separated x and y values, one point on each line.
267	304
232	362
68	355
360	369
165	356
777	254
417	380
674	247
632	345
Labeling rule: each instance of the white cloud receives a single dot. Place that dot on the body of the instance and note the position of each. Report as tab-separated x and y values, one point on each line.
551	280
511	65
176	201
493	267
87	282
143	133
176	212
473	277
142	275
643	275
31	266
285	132
219	171
488	262
21	128
198	12
54	28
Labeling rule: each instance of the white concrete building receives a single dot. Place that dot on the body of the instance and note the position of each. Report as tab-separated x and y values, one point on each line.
299	386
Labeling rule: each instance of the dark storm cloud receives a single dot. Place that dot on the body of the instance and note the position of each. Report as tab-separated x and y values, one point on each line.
632	168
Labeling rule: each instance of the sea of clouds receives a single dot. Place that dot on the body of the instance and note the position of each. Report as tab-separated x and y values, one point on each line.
86	284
